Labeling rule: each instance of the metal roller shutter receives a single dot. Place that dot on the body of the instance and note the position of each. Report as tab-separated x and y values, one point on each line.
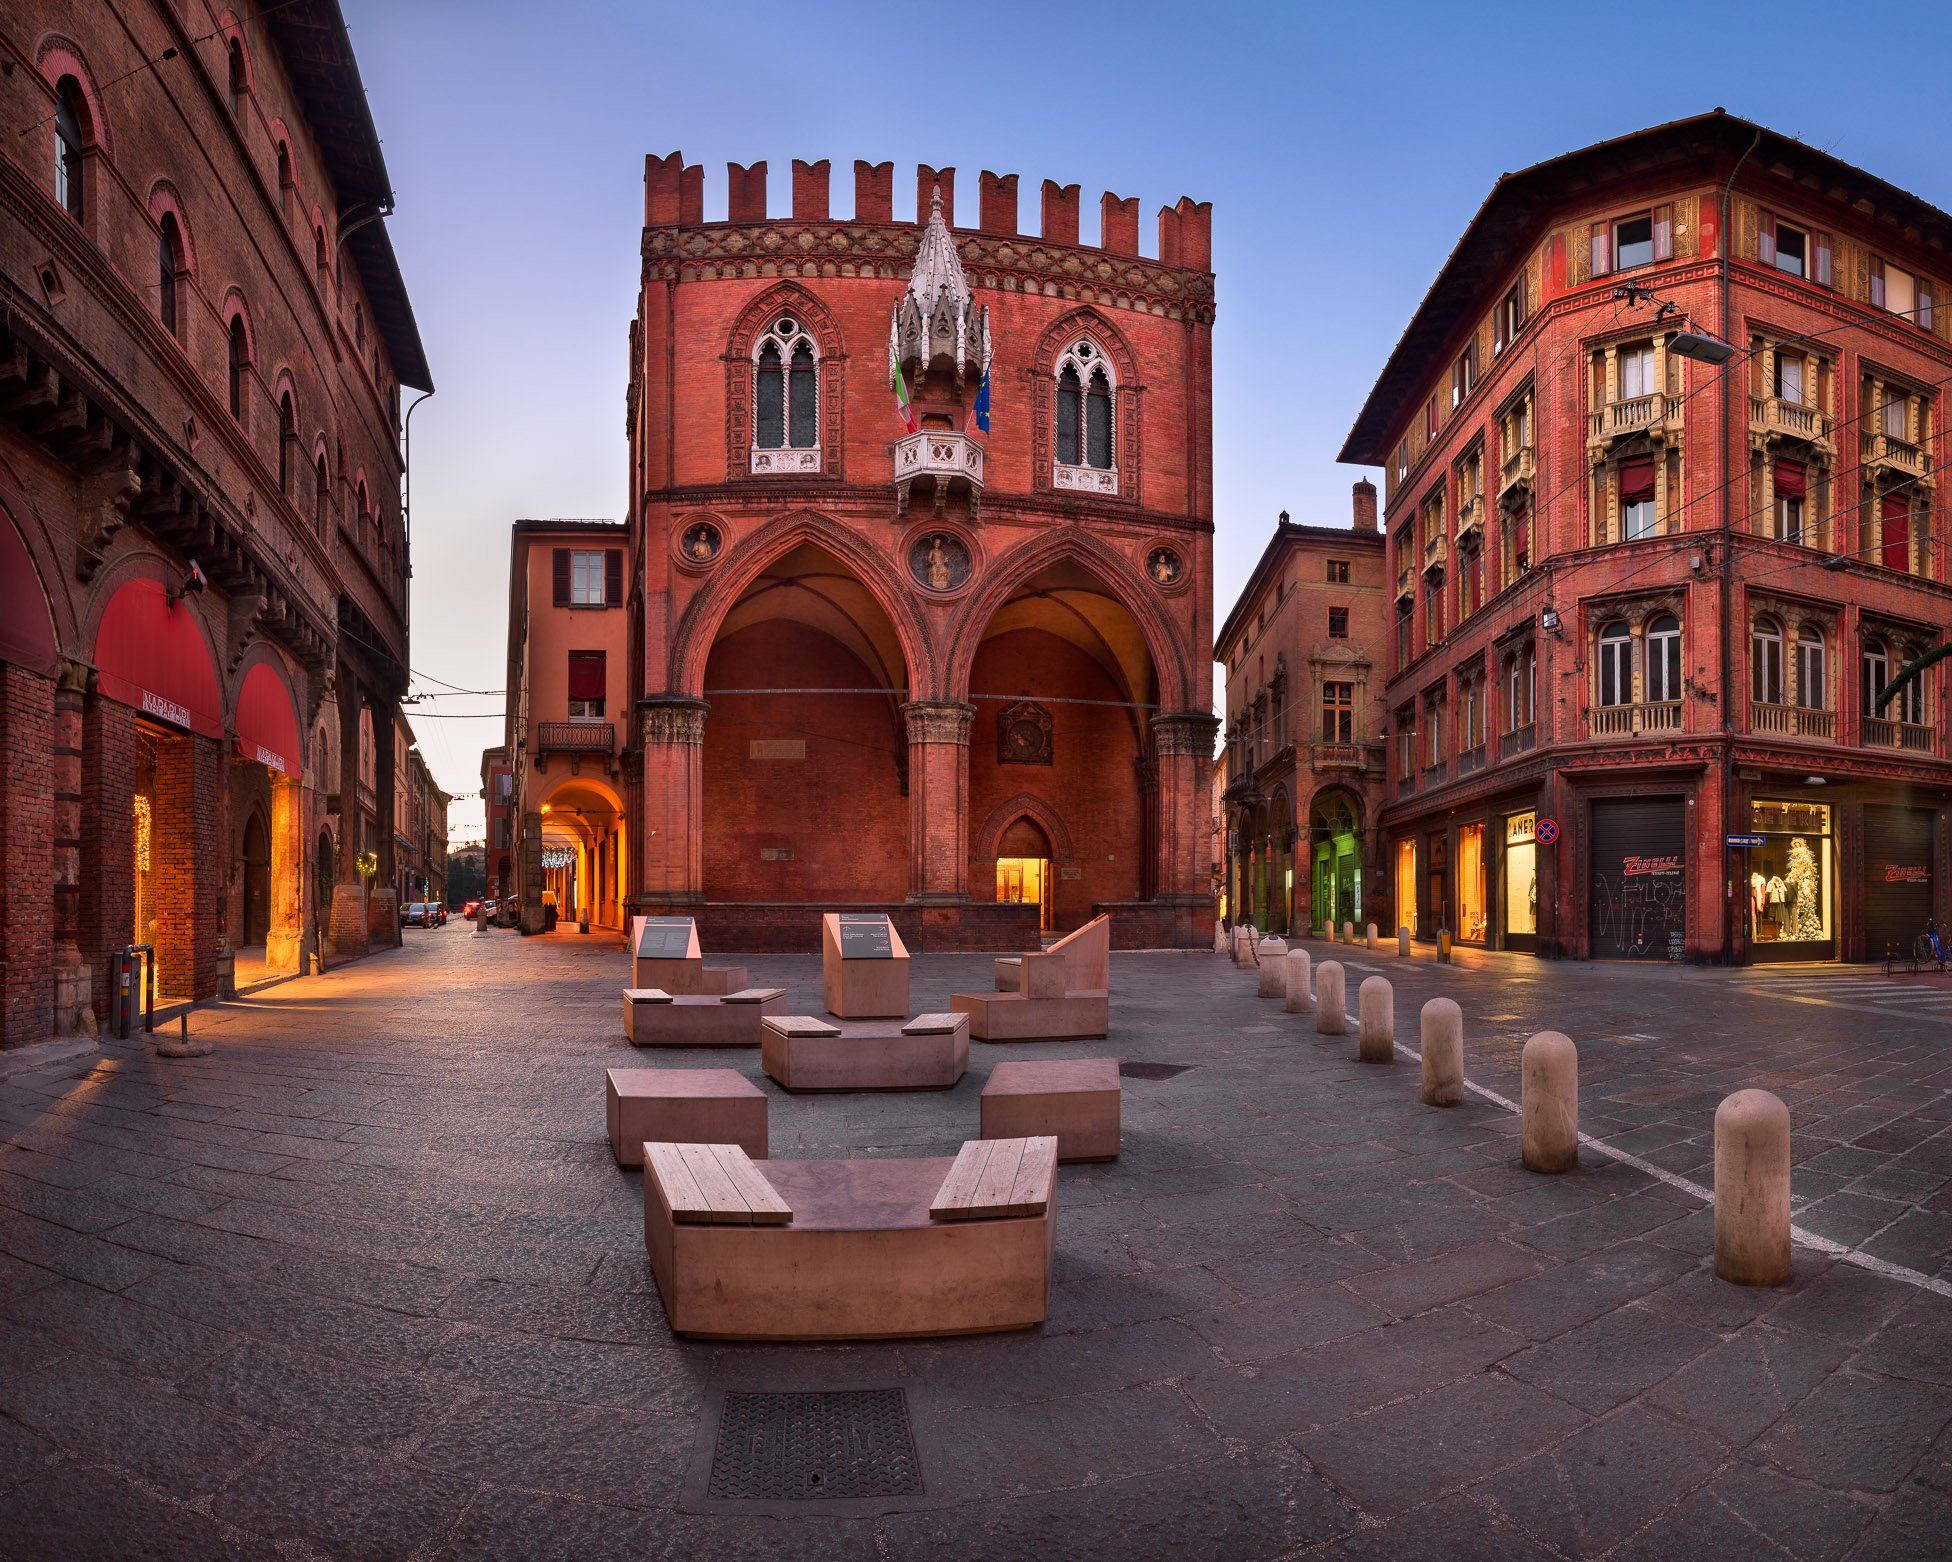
1897	877
1637	896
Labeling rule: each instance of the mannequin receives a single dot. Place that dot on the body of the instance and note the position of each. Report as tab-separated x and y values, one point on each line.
1807	918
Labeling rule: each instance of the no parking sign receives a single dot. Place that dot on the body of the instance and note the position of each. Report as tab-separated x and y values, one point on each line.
1547	832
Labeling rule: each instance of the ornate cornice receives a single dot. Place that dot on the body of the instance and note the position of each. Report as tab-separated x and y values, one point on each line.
1003	263
938	721
666	721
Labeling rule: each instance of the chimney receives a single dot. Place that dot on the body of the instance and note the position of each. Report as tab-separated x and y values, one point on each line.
1365	505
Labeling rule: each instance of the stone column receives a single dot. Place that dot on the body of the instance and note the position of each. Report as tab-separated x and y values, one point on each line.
383	901
529	872
74	988
27	825
669	841
282	942
348	931
108	838
1182	743
938	799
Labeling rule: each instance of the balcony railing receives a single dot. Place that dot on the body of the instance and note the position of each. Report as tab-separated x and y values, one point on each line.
1899	455
575	737
1613	721
1880	733
1792	721
949	460
1470	517
1470	760
1406	582
1436	553
1772	415
1517	741
1433	775
1520	469
1633	415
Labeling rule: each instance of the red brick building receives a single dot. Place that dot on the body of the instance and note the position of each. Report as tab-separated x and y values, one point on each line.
1305	649
1644	602
202	567
960	675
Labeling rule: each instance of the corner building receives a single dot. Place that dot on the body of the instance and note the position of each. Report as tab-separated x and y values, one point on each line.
1666	510
960	676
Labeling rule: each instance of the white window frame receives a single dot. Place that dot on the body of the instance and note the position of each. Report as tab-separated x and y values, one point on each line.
1656	654
786	457
587	563
1613	660
1085	357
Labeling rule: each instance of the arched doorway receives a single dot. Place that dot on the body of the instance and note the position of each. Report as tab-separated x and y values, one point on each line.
1023	868
1064	689
582	848
805	764
1337	891
257	881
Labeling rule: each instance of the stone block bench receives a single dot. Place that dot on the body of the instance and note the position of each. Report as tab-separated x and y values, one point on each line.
664	954
1075	1100
1056	994
802	1052
1087	956
682	1106
844	1250
655	1018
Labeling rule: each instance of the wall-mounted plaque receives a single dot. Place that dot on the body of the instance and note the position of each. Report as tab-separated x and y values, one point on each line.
866	936
664	938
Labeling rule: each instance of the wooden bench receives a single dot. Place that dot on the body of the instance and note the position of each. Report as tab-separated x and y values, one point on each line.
655	1018
682	1106
861	1249
802	1052
1075	1099
1055	994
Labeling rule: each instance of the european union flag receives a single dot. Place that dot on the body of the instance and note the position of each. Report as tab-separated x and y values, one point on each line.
981	411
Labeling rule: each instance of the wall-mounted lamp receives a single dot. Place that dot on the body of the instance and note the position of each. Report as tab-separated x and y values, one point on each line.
193	585
1549	619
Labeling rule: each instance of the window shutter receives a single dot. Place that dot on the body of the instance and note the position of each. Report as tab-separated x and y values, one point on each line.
1601	249
1925	304
1877	284
1663	233
562	577
1789	480
1636	481
613	577
1765	238
1820	262
586	675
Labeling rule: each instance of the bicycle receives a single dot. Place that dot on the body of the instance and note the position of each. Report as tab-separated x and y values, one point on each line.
1929	947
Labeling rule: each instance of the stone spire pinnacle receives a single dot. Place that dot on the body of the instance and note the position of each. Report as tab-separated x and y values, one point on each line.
936	324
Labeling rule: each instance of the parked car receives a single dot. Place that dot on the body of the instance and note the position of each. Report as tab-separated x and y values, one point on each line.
437	913
491	907
471	909
415	913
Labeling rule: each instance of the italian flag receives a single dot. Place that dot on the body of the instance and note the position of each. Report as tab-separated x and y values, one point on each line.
901	400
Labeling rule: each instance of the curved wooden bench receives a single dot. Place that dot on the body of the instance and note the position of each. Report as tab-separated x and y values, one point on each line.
868	1249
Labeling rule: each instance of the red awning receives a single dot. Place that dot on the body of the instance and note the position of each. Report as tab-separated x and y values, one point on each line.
586	675
267	724
26	629
151	655
1636	480
1789	479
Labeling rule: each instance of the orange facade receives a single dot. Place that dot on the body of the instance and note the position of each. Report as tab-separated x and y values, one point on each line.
955	672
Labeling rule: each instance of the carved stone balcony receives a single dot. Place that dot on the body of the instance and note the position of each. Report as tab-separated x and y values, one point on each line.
1406	583
1792	721
1436	554
1615	721
1519	472
1631	415
1880	733
1470	518
1772	418
942	460
1887	454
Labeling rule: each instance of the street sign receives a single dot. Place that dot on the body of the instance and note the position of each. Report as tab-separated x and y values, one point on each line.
1745	840
1546	831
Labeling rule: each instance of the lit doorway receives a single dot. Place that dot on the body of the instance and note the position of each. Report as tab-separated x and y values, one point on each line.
1026	881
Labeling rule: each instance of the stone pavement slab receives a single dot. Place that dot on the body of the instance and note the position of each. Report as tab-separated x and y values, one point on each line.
366	1282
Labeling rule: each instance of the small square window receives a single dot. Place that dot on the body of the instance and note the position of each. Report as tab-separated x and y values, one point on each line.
1792	250
1338	572
1338	623
1633	243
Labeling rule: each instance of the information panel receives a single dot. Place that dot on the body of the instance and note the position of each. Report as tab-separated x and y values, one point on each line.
664	938
865	936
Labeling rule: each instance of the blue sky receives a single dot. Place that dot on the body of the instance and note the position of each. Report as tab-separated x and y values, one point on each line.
1344	148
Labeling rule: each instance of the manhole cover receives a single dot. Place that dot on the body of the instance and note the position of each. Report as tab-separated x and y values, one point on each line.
1152	1070
818	1446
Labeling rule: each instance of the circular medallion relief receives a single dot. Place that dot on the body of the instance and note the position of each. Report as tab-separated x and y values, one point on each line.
1164	567
700	543
939	561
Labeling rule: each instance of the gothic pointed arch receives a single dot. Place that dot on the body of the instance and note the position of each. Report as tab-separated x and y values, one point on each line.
988	838
1078	341
814	323
747	558
1112	572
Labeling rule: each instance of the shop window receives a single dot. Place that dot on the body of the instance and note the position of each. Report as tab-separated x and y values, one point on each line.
1521	875
1615	665
1789	884
1470	883
1664	660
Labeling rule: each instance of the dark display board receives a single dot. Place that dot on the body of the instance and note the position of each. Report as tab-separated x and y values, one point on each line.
1638	899
665	938
866	936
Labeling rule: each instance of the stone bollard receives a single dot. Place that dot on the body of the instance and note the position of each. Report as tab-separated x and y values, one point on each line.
1369	936
1549	1069
1243	944
1331	1014
1376	1021
1402	943
1443	1052
1348	932
1295	994
1219	938
1752	1189
1273	970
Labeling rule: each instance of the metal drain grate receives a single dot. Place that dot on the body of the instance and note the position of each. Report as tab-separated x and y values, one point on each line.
1152	1070
797	1447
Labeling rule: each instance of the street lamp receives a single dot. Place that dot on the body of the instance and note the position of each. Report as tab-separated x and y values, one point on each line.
1701	347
